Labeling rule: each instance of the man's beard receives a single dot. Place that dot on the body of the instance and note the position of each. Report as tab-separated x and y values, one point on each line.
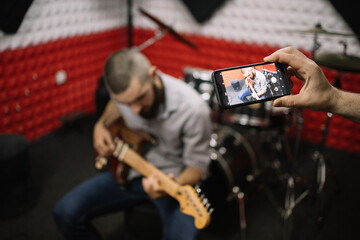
152	112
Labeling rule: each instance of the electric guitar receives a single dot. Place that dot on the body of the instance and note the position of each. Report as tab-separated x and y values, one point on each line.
189	201
251	87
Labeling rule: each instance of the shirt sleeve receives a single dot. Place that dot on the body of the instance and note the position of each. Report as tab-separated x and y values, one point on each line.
196	137
262	82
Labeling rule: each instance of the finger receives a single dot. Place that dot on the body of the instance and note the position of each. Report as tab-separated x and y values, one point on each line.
288	59
109	143
290	71
171	175
289	56
145	184
152	182
99	148
286	50
102	149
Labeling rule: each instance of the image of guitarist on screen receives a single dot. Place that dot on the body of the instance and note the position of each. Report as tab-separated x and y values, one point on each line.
174	114
255	82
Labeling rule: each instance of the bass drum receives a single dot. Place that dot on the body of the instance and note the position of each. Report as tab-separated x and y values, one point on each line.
233	160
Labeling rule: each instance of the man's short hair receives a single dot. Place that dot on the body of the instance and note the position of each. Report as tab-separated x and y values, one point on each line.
246	71
122	66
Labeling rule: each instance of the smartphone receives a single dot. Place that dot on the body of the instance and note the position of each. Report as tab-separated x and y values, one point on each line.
248	84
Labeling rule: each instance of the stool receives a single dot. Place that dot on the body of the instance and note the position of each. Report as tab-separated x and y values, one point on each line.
15	185
235	83
144	222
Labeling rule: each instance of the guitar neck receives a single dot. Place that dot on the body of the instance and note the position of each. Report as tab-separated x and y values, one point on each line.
186	196
137	162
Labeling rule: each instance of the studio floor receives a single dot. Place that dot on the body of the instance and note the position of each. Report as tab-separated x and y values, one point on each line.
64	158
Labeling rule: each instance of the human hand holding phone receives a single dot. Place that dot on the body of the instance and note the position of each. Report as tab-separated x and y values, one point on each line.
317	93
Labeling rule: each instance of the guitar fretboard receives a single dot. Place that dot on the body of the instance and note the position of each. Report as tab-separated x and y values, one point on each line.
136	161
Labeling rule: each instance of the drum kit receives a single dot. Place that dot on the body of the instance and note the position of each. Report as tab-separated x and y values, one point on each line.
240	134
236	161
342	63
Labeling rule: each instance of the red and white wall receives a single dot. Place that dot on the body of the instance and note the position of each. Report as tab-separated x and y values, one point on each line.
50	67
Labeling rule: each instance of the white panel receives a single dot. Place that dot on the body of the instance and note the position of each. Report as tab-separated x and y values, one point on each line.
48	20
253	21
256	21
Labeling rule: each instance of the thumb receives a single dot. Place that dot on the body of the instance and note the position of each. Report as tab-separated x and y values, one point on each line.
288	101
271	58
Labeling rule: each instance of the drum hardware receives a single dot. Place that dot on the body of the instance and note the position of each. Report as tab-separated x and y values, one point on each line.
240	196
200	80
233	152
158	35
319	30
232	160
234	163
290	200
164	29
340	62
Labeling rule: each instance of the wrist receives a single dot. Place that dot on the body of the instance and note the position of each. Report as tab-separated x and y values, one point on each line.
334	100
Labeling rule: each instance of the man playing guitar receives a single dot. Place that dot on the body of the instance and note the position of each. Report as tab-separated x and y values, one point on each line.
172	112
255	84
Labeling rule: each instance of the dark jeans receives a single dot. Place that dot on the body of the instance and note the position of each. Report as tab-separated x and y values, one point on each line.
246	92
101	194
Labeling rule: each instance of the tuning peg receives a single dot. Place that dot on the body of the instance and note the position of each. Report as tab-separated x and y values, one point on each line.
211	210
98	166
202	196
103	160
100	163
205	201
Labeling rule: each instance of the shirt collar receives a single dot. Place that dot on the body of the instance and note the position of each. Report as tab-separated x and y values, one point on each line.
171	96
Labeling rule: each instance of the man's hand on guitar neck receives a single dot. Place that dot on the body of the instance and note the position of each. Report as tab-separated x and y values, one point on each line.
152	186
102	140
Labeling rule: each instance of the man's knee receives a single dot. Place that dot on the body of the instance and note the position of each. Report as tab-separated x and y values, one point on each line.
59	213
64	213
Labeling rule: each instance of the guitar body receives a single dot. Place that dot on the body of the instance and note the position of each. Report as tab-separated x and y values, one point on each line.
136	139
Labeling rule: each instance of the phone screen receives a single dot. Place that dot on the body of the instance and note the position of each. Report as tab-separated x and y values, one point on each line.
243	85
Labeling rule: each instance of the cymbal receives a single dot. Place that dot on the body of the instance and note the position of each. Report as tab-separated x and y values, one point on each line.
169	29
318	29
339	62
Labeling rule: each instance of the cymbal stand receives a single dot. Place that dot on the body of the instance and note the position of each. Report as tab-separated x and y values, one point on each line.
318	157
240	197
316	46
158	35
290	200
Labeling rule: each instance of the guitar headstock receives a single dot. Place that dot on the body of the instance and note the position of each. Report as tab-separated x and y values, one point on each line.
193	205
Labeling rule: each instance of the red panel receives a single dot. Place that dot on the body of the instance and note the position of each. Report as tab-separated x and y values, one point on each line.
30	100
27	79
